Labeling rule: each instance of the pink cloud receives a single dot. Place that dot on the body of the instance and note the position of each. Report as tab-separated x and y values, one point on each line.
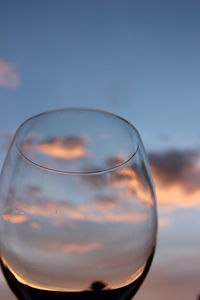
9	76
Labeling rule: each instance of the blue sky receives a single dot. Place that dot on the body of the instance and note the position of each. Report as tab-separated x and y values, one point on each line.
136	58
139	59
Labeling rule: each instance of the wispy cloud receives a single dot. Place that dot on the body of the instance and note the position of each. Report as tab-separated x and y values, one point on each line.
102	208
76	247
65	211
81	248
9	76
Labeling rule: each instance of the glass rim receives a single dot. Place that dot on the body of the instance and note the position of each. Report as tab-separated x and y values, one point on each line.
75	172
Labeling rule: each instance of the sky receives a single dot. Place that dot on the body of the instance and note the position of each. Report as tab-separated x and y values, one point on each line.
138	59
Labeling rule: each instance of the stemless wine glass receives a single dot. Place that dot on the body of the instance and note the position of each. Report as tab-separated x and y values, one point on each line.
78	214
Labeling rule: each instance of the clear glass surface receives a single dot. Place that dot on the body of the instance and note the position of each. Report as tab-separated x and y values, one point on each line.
78	213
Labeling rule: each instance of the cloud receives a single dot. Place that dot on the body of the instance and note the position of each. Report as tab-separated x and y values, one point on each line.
69	148
107	201
9	77
123	183
117	160
15	219
61	212
175	196
101	209
177	178
81	248
106	242
176	167
33	191
130	181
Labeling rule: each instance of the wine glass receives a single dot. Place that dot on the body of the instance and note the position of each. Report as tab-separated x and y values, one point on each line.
77	212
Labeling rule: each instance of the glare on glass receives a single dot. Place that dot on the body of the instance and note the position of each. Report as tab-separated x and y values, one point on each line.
77	208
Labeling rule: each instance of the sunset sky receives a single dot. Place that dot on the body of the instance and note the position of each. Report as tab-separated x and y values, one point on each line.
138	59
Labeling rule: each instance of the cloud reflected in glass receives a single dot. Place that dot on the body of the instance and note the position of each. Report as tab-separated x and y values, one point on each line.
63	212
64	148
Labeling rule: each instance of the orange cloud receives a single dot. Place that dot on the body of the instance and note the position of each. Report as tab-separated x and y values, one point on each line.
177	178
9	77
122	183
174	196
117	160
176	166
70	147
16	219
129	180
